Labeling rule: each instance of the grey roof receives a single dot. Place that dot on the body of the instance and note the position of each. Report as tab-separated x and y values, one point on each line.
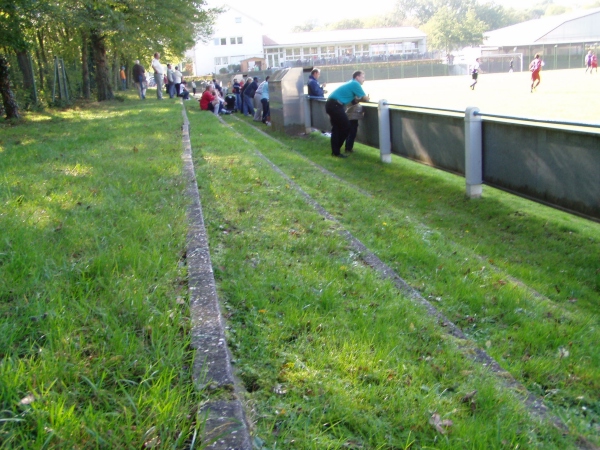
343	36
534	31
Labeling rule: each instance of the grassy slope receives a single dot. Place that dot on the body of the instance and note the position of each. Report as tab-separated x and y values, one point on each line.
420	224
93	326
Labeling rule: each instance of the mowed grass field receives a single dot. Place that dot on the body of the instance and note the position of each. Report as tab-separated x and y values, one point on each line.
569	95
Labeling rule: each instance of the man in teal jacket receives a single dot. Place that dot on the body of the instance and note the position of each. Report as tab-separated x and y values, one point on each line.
350	92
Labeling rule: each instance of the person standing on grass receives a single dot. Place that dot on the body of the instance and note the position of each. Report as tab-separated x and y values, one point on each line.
170	82
510	70
139	79
264	100
354	113
335	106
474	73
587	61
177	77
258	109
123	78
158	75
248	94
535	67
594	63
193	87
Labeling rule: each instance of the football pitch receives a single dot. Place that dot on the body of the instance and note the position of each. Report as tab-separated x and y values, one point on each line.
565	95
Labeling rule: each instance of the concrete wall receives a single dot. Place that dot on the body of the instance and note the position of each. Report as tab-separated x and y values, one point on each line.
556	165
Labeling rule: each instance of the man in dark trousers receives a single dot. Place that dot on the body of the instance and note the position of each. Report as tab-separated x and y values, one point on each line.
139	78
248	92
347	93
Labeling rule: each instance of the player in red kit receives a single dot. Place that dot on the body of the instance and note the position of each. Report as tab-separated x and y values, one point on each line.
535	67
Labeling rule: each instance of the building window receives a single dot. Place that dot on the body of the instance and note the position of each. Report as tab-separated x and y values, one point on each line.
221	60
217	41
232	41
240	40
238	20
223	41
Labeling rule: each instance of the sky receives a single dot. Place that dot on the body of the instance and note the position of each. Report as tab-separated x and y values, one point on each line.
280	16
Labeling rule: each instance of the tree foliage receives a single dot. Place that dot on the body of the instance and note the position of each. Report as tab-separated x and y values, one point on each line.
107	34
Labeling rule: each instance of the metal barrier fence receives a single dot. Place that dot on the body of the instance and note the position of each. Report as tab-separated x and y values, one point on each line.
552	162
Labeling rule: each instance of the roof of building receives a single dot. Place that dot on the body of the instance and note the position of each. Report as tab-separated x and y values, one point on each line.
342	36
532	31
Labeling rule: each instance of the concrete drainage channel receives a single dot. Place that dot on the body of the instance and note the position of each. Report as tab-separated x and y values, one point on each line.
226	425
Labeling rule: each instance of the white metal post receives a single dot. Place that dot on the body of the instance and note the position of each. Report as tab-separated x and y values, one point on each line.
385	136
473	153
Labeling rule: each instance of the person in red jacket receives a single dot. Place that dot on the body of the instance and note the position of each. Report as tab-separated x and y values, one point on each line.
535	67
210	101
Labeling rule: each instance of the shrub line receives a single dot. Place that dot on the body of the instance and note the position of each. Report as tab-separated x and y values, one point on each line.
534	404
225	426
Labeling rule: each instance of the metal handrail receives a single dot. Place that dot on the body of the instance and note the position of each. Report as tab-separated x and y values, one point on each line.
547	121
494	116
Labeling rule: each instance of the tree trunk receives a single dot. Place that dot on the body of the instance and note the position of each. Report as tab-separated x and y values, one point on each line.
44	72
8	99
104	89
85	70
27	71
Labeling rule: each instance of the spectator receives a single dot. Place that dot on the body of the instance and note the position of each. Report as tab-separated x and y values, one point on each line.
139	79
350	92
183	92
314	88
193	87
158	75
170	82
123	78
236	91
354	113
258	100
209	101
249	92
177	77
266	113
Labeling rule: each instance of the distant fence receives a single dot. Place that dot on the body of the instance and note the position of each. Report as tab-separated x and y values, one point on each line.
336	70
556	163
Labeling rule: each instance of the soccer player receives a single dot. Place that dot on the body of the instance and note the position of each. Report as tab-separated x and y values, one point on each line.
474	73
535	67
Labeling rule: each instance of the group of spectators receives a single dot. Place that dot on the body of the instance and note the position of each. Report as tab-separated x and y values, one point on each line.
247	96
252	99
172	79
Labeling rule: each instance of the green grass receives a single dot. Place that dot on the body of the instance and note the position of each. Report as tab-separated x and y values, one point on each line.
362	366
94	326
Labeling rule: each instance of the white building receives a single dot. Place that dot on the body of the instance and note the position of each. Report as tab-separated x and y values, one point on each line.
343	45
236	37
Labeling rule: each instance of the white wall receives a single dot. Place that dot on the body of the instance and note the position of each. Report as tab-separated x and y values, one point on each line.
231	24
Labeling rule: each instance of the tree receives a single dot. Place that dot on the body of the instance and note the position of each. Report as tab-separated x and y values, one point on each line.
8	99
347	24
446	30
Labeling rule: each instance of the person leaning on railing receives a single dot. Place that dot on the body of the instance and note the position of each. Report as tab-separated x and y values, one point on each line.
314	88
350	92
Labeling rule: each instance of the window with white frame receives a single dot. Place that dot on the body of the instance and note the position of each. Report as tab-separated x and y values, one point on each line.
238	20
240	40
232	41
221	60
